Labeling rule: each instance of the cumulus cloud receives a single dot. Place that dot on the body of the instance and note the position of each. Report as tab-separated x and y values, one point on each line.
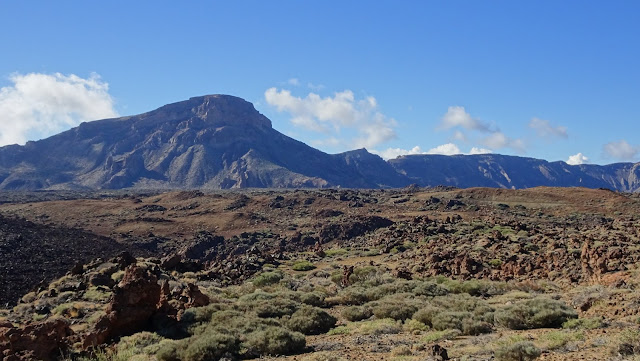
544	128
457	116
444	149
498	140
330	115
621	150
577	159
39	105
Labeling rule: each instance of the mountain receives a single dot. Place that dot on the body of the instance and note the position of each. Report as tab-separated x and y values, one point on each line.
214	141
222	141
502	171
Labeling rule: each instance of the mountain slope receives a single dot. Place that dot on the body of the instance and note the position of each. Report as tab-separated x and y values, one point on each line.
221	142
215	141
495	170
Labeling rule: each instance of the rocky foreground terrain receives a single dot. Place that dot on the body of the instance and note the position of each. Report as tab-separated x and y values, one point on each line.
407	274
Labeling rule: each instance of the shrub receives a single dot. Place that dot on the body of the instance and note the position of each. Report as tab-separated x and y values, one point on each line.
534	313
435	336
584	323
313	298
303	266
322	356
310	321
138	342
474	327
380	327
556	339
426	314
267	278
357	313
430	289
274	341
519	351
210	346
275	308
415	326
395	310
450	320
353	296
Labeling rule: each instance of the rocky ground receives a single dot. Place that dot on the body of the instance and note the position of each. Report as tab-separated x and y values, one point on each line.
548	273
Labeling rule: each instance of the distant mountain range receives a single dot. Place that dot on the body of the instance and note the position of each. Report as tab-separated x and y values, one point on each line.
221	142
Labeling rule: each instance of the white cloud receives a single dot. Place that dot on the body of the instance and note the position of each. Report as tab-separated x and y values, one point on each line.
329	115
476	150
498	140
392	153
457	116
577	159
39	105
444	149
544	128
621	150
294	81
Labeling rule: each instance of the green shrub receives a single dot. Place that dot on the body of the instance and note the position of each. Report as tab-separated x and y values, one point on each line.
310	321
313	298
137	343
303	265
450	320
584	323
274	341
357	313
415	326
474	327
210	346
534	313
169	351
557	339
435	336
380	327
267	278
395	310
519	351
426	314
430	289
353	296
275	308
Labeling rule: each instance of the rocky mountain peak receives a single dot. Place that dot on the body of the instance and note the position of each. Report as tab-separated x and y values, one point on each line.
223	110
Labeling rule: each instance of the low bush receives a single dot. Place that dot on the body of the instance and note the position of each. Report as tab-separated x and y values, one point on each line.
426	314
395	310
274	341
534	313
310	321
450	320
430	289
210	346
267	278
584	323
519	351
473	327
303	265
435	336
357	313
380	327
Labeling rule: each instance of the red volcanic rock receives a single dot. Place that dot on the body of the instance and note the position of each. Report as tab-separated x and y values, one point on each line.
38	341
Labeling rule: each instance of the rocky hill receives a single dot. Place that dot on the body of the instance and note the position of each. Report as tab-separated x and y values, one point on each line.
221	142
501	171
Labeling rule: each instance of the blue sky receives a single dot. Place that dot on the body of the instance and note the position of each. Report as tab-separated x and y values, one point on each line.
544	79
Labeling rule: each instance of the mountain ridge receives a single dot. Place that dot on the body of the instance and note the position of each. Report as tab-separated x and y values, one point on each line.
221	141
